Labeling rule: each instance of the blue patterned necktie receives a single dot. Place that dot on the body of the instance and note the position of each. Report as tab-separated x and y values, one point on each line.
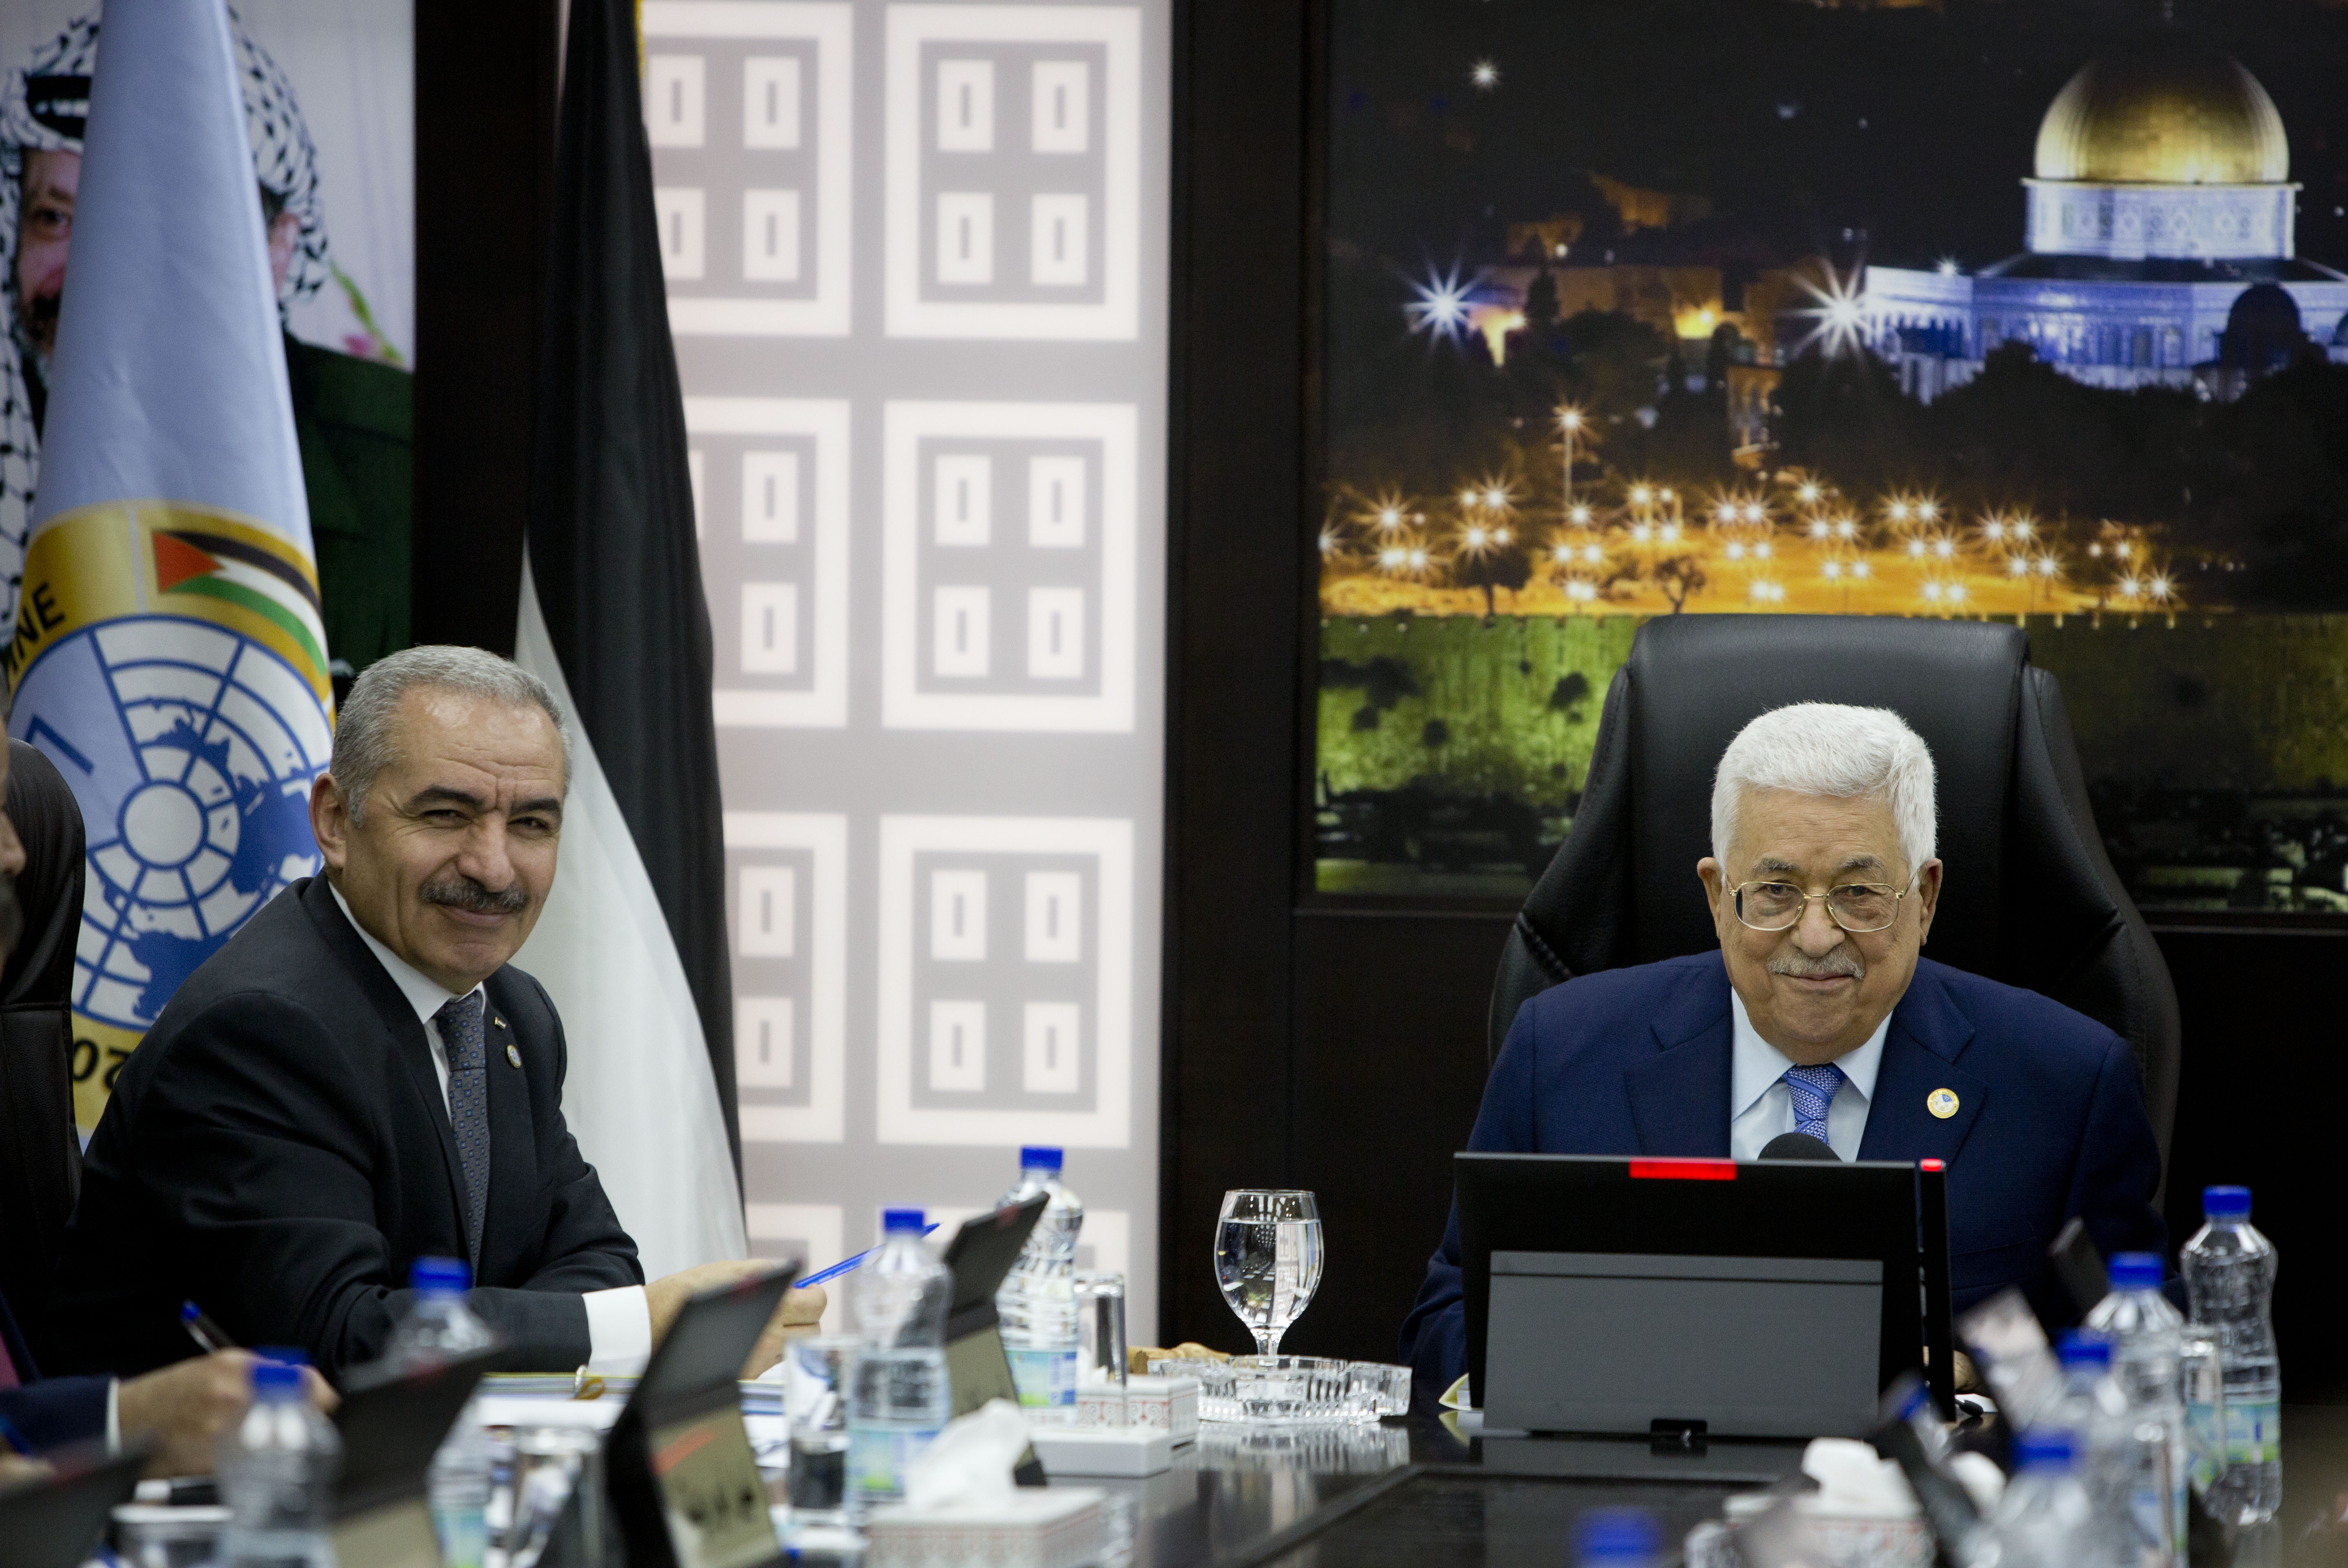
469	1108
1814	1090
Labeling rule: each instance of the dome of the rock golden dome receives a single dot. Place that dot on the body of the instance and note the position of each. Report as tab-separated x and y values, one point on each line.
2158	117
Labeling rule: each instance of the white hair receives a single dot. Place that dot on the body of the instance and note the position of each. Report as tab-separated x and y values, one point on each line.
1841	752
365	724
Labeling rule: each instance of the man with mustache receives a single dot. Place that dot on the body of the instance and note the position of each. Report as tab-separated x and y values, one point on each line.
357	1078
1819	1016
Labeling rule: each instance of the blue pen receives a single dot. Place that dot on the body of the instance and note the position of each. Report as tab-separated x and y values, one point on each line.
842	1267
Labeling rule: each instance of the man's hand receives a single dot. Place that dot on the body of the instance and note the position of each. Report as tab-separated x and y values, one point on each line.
801	1314
187	1408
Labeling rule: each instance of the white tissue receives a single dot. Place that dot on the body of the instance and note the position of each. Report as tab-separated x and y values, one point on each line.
971	1460
1855	1483
1981	1478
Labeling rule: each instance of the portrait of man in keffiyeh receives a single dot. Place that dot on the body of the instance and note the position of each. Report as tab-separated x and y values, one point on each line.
44	108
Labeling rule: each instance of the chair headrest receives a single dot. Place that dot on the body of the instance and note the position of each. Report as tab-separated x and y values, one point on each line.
1694	681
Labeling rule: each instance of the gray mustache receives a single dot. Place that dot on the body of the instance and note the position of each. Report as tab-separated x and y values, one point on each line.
465	894
1840	962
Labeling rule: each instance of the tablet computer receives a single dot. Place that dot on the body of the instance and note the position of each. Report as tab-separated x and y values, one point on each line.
1694	1297
391	1426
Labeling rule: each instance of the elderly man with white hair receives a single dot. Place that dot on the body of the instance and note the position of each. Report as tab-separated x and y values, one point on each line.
1819	1016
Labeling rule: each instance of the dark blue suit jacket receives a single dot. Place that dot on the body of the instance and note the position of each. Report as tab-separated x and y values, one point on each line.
2050	1118
48	1413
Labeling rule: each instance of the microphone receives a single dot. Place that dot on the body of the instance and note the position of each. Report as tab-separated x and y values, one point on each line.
1797	1146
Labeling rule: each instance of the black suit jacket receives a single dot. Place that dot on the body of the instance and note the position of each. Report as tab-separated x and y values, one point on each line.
48	1412
278	1149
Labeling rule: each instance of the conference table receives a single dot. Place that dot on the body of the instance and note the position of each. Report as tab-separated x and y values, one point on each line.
1408	1494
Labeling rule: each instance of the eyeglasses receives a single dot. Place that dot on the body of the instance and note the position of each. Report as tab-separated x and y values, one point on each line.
1857	907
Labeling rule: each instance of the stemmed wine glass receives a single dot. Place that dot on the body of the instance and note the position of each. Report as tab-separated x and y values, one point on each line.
1268	1259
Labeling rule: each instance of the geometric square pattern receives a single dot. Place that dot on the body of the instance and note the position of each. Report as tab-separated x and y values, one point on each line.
774	490
1014	171
915	261
1008	566
748	107
1006	965
788	876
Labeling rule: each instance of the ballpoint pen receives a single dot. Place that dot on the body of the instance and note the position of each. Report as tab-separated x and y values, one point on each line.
209	1335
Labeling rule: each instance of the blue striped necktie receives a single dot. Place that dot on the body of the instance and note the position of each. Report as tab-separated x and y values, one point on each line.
469	1108
1814	1091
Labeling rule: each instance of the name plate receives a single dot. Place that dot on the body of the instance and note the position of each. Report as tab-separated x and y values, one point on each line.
396	1535
711	1494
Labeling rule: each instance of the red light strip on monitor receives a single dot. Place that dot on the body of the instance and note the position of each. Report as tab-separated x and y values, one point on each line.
1684	1170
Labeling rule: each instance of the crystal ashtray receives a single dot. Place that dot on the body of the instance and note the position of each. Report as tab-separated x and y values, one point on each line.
1292	1391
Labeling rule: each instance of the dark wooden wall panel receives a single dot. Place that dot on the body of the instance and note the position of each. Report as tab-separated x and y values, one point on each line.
1232	709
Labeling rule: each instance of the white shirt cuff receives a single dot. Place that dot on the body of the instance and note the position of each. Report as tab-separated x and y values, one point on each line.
113	1416
619	1330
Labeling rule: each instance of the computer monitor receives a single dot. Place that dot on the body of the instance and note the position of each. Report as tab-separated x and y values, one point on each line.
1714	1297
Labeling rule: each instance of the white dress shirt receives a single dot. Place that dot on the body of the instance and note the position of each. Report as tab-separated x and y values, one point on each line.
619	1321
1761	1103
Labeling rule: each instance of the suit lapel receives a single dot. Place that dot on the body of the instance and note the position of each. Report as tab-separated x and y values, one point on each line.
1678	1096
1927	1036
511	1232
398	1021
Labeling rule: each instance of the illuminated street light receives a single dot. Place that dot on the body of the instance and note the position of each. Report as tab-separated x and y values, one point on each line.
1944	548
1761	550
1642	533
1470	497
1438	305
1486	76
2047	566
1328	542
1916	549
1671	532
1897	511
1725	511
1838	317
1496	498
1928	510
1394	558
1860	569
1640	495
2162	588
1831	571
1475	540
1500	536
1591	555
1809	493
1956	593
2015	566
1735	551
1846	529
1578	514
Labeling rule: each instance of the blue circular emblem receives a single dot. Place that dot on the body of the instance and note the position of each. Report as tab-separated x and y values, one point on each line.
192	751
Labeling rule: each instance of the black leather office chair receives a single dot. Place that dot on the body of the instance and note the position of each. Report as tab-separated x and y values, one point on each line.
2030	898
40	1154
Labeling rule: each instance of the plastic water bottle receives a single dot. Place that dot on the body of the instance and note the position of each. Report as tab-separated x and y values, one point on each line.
277	1469
2046	1519
438	1328
2146	1333
1618	1538
2092	1409
2229	1270
1037	1302
899	1396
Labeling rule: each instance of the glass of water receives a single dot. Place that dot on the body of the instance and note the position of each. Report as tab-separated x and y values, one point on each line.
1268	1259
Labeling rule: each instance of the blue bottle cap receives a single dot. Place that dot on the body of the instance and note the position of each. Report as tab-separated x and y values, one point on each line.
1037	1157
2225	1203
2136	1271
276	1380
2043	1450
2081	1349
439	1275
1616	1535
895	1220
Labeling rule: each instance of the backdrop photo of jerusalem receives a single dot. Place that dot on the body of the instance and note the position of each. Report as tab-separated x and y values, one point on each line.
2031	310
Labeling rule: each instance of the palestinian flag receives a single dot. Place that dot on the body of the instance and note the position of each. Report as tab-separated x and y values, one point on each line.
256	573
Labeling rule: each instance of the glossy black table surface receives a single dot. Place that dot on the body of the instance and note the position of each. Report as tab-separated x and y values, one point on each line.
1415	1493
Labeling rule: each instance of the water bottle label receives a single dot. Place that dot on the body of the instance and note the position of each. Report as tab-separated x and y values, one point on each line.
463	1536
2254	1432
1046	1380
879	1457
2205	1443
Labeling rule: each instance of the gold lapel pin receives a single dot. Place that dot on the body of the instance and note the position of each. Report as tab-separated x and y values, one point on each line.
1942	1102
514	1054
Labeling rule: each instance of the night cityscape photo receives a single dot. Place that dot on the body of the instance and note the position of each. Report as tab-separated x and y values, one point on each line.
2033	309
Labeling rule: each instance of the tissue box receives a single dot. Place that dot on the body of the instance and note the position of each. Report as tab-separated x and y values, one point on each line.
1102	1405
1169	1404
1054	1527
1102	1450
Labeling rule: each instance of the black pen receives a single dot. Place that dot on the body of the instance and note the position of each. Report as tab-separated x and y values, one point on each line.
209	1336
